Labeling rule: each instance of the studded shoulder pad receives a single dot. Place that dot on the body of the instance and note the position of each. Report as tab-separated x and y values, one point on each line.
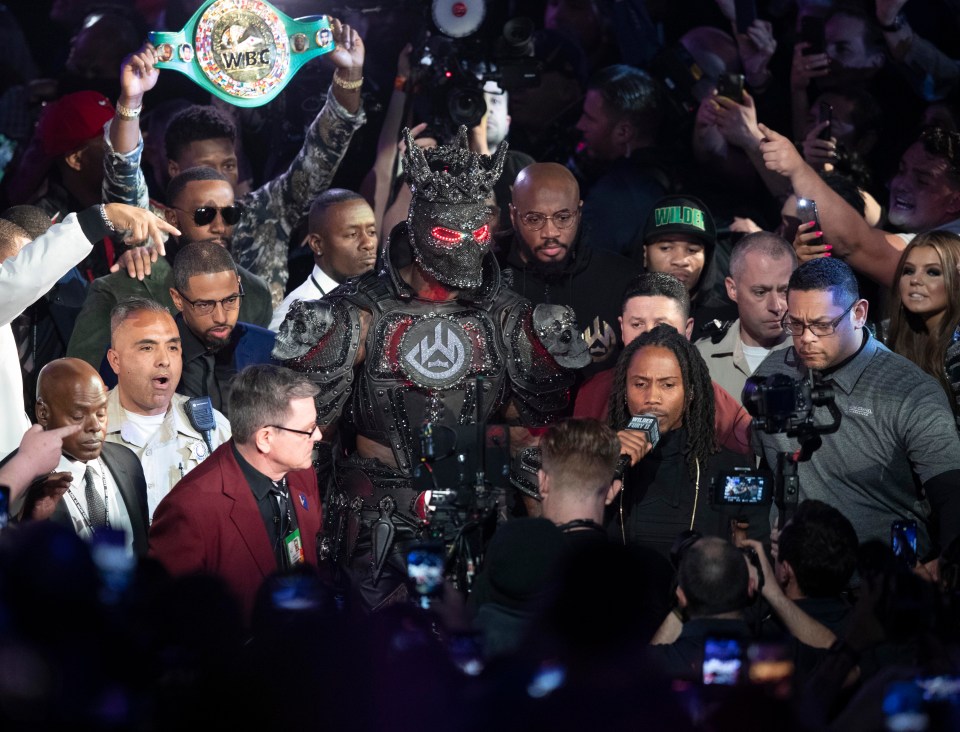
321	338
540	386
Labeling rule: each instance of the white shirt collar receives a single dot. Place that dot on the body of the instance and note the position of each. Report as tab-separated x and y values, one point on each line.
326	283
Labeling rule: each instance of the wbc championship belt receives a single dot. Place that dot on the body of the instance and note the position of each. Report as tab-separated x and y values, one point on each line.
244	51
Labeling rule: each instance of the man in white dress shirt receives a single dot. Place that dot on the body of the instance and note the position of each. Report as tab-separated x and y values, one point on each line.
144	413
343	238
106	486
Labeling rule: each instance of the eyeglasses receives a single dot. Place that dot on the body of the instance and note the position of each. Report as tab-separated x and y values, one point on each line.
316	428
206	214
205	307
534	220
796	328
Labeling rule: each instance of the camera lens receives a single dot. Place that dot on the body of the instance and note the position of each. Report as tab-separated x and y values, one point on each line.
466	106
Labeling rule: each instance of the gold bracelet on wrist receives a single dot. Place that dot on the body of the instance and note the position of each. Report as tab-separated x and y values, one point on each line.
348	85
128	114
400	83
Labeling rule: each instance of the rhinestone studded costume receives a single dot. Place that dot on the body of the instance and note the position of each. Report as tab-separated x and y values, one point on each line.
419	360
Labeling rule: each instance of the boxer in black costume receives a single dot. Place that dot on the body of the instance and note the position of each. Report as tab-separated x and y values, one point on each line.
403	345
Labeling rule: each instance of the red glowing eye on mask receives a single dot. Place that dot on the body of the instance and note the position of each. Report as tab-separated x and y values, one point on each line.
447	236
482	235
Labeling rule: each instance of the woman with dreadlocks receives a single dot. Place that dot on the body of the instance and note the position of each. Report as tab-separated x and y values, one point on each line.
667	488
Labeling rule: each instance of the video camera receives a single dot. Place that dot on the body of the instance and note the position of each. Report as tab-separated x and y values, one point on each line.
466	44
779	403
459	476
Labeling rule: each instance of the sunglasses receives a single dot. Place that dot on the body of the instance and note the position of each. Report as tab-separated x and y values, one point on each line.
205	215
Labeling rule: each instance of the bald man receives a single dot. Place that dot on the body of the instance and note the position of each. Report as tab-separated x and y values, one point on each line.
106	487
547	258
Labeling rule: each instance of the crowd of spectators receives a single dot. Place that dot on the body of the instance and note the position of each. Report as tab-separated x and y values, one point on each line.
772	198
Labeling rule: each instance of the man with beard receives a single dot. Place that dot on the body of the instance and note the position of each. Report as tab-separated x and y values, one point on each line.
207	291
619	164
204	209
546	258
405	354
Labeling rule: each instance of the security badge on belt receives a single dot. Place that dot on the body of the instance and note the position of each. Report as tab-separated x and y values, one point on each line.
244	51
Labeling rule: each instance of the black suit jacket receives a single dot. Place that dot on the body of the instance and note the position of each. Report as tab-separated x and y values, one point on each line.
124	466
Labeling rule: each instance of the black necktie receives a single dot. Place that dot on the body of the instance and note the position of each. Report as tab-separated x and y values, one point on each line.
280	512
95	507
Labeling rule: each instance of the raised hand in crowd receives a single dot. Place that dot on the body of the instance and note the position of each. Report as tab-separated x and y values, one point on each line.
742	225
138	75
801	626
807	67
779	153
804	69
805	243
136	261
139	225
738	122
820	154
756	48
347	55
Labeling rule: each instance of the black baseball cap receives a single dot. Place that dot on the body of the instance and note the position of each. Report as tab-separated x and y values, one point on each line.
681	215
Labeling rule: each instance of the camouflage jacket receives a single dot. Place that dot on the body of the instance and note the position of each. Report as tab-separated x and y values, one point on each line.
260	240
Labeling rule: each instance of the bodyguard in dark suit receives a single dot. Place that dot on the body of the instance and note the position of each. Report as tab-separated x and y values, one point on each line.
253	507
96	484
207	291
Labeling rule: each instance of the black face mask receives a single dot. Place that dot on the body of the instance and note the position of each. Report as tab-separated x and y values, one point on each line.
450	240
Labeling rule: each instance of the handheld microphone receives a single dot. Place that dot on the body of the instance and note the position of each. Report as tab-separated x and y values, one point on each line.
200	413
647	423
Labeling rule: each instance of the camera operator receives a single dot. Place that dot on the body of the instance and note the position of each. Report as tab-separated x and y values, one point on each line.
814	563
897	430
714	587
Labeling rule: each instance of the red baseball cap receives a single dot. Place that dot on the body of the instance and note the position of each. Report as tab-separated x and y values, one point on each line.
69	122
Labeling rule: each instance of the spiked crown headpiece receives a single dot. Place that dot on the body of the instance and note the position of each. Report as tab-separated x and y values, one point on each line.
451	173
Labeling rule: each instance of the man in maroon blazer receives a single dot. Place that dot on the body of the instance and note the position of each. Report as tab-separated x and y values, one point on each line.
253	507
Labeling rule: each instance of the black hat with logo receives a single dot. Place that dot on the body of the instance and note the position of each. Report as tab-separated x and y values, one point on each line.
681	215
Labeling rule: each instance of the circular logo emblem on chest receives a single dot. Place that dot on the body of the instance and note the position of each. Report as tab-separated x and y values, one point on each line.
435	352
